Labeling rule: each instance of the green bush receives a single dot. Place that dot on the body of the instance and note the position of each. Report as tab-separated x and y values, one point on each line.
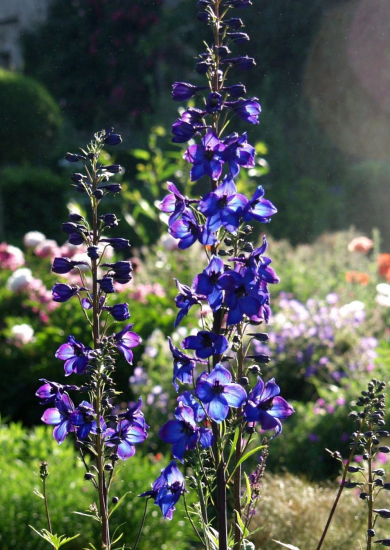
30	119
20	453
26	193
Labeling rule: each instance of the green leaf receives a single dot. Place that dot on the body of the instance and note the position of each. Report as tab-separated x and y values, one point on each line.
248	490
118	504
247	455
88	516
54	540
241	525
39	494
140	154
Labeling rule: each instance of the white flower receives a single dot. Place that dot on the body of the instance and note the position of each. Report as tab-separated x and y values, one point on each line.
383	288
33	238
20	279
21	334
353	307
383	300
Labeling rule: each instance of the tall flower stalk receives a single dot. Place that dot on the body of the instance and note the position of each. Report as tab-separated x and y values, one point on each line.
216	418
96	363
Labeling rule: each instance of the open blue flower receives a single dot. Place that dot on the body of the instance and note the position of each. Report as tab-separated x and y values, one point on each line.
183	365
125	437
135	416
60	417
266	406
75	355
185	300
224	206
238	153
188	231
207	158
125	340
206	344
167	489
211	282
217	392
258	208
84	418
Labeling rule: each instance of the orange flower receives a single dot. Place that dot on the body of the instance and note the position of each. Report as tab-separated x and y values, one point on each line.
360	244
357	277
384	266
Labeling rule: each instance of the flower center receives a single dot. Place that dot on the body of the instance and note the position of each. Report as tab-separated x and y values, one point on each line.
217	388
266	405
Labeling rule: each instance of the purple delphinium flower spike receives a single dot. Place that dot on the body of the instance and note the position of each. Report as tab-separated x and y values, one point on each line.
75	355
217	393
206	344
167	489
266	406
206	158
125	340
60	417
224	206
124	438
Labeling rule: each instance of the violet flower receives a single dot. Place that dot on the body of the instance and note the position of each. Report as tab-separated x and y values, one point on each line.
125	340
266	406
75	355
60	417
124	438
167	489
217	393
207	158
206	344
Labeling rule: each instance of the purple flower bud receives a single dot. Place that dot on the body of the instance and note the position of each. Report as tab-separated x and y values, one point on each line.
120	312
72	157
214	102
181	91
112	168
62	292
241	63
203	17
64	265
111	188
78	178
234	23
223	51
76	218
106	285
238	37
93	252
98	193
117	243
109	220
112	139
236	90
202	66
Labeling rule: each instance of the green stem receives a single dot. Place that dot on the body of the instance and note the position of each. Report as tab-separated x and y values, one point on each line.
142	525
47	507
237	474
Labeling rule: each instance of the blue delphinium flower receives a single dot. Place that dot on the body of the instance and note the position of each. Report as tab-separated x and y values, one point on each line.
186	298
75	355
212	282
223	207
183	365
125	437
247	110
207	158
266	406
135	416
258	208
84	418
182	433
167	489
188	230
50	391
60	417
238	153
206	344
217	393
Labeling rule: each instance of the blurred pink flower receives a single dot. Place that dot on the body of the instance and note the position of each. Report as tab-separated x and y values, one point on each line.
21	335
47	249
10	257
360	244
33	238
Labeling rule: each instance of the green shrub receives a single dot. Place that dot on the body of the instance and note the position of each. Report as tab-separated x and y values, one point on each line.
20	453
26	193
30	119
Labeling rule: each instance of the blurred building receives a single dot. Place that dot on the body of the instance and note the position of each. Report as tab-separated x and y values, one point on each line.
15	17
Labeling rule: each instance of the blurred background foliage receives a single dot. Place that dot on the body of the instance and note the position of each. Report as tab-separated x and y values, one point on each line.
325	117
